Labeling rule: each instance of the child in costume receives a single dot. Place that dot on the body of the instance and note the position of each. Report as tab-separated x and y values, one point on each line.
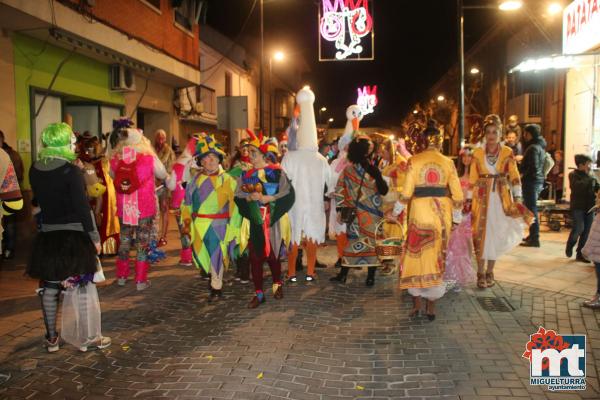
459	269
264	196
135	165
209	214
101	190
182	171
310	175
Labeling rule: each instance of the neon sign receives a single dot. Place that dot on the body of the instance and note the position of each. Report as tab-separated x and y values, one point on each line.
367	99
346	23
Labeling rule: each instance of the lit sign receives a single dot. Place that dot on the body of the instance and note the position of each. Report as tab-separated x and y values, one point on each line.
540	64
367	99
346	23
581	26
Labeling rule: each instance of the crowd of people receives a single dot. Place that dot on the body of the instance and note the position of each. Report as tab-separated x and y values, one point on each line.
275	200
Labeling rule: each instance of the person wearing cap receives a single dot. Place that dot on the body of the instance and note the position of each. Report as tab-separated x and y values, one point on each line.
134	166
264	195
434	198
68	242
209	214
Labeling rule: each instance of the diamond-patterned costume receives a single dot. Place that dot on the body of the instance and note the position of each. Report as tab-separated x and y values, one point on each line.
209	204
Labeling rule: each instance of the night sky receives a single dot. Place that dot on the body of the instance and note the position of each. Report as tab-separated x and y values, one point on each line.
415	43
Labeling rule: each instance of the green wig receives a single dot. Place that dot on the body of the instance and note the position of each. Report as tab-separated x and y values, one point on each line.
56	142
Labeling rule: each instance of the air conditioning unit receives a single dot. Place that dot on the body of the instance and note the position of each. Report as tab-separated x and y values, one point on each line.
121	79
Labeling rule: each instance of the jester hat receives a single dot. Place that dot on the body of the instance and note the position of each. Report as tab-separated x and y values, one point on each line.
262	143
208	144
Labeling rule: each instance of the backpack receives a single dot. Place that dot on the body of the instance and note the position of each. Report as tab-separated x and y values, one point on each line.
126	179
548	163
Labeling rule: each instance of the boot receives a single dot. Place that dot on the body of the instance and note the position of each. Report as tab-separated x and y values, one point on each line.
341	276
141	274
243	264
371	276
215	295
299	265
122	271
185	257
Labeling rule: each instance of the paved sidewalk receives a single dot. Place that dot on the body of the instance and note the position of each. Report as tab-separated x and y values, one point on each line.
321	341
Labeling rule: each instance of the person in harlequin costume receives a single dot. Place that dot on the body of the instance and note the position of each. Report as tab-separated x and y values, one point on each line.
336	228
135	165
264	196
209	214
182	171
310	175
101	190
434	197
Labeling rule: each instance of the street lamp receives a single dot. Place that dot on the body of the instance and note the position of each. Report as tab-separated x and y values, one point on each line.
441	98
510	5
330	120
321	111
554	8
278	56
474	71
502	5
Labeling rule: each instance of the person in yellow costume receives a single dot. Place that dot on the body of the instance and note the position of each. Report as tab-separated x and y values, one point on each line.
395	175
209	214
434	197
499	217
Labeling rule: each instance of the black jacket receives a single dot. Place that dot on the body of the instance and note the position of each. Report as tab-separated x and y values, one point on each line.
583	190
532	166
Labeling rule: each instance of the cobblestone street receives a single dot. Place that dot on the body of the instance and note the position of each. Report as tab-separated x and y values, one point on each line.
321	341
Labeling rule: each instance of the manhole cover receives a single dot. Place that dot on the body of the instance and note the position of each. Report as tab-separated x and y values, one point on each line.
500	304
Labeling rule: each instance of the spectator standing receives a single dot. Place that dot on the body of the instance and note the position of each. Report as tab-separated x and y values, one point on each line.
167	157
532	177
583	191
557	176
511	140
9	222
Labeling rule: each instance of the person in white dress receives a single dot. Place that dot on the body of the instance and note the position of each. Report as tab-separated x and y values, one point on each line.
499	216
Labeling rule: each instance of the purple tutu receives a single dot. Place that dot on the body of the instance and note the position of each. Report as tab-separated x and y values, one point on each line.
459	269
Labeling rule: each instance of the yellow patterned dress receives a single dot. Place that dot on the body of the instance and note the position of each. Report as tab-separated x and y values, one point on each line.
498	222
432	190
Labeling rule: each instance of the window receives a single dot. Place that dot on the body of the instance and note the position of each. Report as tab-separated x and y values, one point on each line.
153	4
207	97
228	89
182	15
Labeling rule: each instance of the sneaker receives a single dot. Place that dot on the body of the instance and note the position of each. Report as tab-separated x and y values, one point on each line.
244	281
215	295
237	279
52	345
121	281
531	243
97	344
143	285
185	263
309	279
293	279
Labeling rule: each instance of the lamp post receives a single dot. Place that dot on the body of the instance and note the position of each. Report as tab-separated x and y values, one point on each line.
262	63
321	111
277	56
504	5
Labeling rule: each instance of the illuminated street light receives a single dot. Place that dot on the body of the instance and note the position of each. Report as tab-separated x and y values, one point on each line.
323	109
392	137
554	8
415	111
441	98
279	56
330	119
510	5
474	71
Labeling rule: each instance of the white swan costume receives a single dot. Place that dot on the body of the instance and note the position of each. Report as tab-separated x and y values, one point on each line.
353	116
309	173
